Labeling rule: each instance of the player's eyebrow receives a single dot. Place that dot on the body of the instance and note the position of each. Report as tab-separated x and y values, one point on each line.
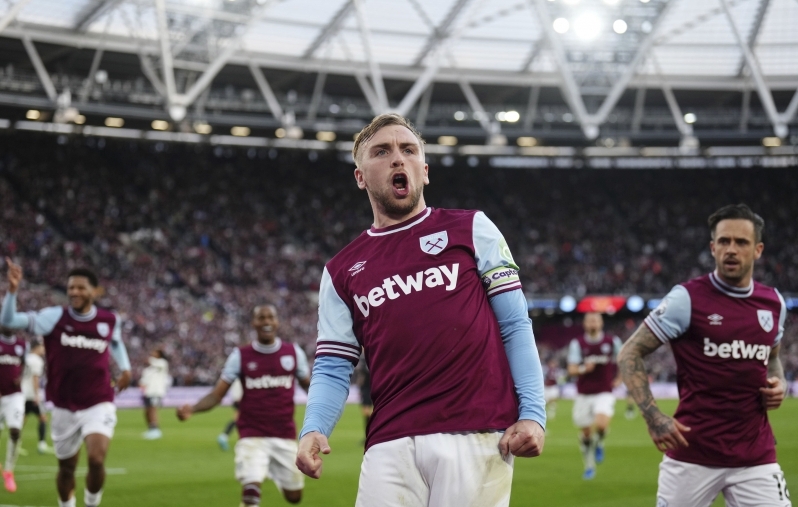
388	145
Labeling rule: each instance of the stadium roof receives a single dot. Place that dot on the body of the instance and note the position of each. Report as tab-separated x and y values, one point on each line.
593	51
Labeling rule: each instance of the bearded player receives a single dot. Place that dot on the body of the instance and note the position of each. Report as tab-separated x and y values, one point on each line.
267	445
434	299
724	329
12	401
591	359
79	340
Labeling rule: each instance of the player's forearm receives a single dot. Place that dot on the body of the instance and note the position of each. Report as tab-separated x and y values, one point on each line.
775	368
208	402
632	368
8	313
519	345
329	388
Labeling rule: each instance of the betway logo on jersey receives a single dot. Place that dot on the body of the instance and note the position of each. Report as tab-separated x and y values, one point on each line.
737	349
268	382
597	359
433	277
10	360
81	342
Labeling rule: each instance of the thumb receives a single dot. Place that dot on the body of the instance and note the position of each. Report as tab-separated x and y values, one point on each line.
504	444
324	446
680	426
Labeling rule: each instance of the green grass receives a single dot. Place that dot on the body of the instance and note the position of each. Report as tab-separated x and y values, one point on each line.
186	468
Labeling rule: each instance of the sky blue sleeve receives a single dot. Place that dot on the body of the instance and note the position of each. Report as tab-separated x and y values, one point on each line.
574	352
329	388
671	318
519	344
232	367
40	323
302	367
118	349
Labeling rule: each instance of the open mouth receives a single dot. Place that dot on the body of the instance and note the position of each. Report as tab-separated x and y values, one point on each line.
400	184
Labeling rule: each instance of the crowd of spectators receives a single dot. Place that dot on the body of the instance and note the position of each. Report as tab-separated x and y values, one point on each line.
188	238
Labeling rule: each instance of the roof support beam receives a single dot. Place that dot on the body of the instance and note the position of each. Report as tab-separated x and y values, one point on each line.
368	93
149	72
166	51
95	64
315	100
640	106
792	109
374	66
441	32
473	101
94	14
267	92
423	107
760	16
537	47
779	125
44	77
745	112
332	28
531	107
12	13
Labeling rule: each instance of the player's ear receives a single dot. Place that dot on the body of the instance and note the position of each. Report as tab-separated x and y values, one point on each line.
426	174
758	249
361	182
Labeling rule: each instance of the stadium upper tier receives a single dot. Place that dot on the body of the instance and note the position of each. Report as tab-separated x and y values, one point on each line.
188	238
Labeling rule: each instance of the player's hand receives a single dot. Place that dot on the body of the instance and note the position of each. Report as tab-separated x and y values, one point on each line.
524	439
14	275
666	432
589	366
307	458
773	394
123	382
184	412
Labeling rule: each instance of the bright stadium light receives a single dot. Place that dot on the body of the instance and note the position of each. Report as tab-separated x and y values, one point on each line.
202	128
33	114
561	25
567	304
279	133
114	122
771	142
690	118
160	125
635	303
79	119
501	116
588	26
325	135
447	141
526	142
459	115
619	26
512	116
240	131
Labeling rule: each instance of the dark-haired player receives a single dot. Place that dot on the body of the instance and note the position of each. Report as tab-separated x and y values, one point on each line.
433	298
268	369
79	340
724	329
12	401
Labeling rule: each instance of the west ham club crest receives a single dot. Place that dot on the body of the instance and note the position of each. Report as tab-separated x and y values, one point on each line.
434	244
765	319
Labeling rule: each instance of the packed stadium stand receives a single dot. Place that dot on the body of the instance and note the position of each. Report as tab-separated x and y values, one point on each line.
188	238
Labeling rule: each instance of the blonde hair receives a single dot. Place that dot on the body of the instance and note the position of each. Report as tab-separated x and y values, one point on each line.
383	120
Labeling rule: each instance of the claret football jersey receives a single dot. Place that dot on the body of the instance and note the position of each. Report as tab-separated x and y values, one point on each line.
721	338
415	298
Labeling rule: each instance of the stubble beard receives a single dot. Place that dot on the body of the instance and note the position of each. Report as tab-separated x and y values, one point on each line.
397	208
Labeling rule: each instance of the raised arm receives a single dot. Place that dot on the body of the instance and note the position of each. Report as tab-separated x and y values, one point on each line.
8	314
209	401
665	431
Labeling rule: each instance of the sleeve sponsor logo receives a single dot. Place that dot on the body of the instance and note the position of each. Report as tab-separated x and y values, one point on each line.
81	342
431	278
269	382
737	349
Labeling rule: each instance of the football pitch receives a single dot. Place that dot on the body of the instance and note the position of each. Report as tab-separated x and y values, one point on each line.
187	468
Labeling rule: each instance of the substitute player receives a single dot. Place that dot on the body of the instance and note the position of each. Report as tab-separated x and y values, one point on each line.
724	329
267	444
78	341
434	299
154	383
591	359
12	401
31	388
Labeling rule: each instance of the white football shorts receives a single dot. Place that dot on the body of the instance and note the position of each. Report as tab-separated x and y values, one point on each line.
438	470
259	458
688	485
69	429
588	406
12	410
551	393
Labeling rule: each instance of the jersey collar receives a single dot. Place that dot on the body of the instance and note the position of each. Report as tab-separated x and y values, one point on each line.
401	226
8	339
590	340
729	290
267	349
83	317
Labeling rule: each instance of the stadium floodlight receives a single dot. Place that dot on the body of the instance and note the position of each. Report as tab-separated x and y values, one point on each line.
160	125
635	303
177	113
619	26
447	141
79	119
240	131
690	118
114	122
279	133
33	114
325	135
588	26
202	128
561	25
459	115
771	142
567	304
512	116
526	142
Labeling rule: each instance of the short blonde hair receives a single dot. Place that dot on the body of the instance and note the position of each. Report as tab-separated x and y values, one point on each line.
383	120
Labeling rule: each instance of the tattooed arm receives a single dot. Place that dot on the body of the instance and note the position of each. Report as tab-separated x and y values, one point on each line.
665	431
773	394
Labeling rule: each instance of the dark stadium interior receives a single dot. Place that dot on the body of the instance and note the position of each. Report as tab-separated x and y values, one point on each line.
187	238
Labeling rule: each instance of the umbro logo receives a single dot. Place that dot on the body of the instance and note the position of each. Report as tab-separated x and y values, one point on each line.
715	319
358	267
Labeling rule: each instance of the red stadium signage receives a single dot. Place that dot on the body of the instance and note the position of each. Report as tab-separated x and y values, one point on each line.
601	304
